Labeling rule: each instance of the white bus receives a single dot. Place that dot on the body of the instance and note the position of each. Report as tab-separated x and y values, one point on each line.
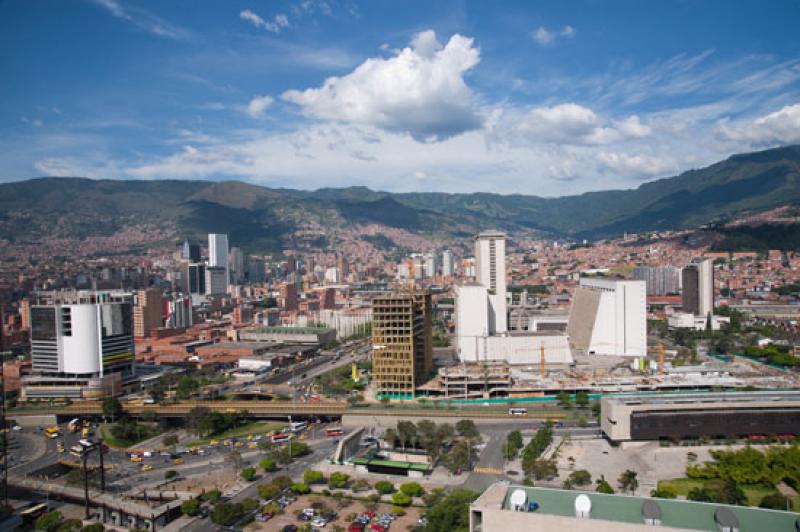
517	411
298	426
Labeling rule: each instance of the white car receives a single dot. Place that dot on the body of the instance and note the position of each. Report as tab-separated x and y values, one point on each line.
319	523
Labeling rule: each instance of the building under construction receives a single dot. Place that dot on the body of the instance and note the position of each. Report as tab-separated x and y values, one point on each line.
402	352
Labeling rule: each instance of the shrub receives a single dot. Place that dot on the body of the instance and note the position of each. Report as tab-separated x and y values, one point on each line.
776	501
412	489
170	474
268	464
401	499
581	477
249	474
384	487
249	504
664	492
313	477
211	495
338	480
301	488
49	521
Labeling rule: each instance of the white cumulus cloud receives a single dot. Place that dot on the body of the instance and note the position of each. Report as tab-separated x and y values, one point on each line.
420	90
635	164
779	127
258	105
545	36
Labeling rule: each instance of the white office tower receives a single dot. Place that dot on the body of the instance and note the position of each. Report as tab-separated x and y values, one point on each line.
333	276
81	345
216	281
608	317
660	280
218	253
430	265
447	263
471	320
490	271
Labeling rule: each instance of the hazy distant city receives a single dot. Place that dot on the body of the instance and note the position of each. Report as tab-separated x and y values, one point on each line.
328	265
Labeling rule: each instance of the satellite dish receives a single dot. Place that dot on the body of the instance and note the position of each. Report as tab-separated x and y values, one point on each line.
518	500
583	505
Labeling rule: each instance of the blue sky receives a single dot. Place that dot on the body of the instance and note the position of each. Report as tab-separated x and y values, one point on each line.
547	98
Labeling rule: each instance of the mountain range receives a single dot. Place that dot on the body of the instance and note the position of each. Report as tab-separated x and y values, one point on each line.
260	218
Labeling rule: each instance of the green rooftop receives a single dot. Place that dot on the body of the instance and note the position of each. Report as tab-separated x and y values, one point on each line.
674	513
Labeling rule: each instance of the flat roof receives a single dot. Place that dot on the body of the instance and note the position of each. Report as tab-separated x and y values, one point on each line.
674	513
389	463
708	397
291	330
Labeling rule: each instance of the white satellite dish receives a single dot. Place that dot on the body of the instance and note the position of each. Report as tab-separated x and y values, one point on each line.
583	506
518	500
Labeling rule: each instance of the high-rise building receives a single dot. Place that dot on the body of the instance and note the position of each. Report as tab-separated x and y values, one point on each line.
25	313
179	312
660	280
218	254
608	317
195	278
288	296
343	266
147	312
216	280
236	265
698	287
191	251
256	271
447	263
402	348
431	265
81	345
490	271
328	299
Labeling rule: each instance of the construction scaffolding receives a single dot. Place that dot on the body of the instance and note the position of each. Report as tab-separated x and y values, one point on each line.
402	352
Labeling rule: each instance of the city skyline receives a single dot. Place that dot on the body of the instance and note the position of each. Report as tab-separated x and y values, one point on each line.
541	100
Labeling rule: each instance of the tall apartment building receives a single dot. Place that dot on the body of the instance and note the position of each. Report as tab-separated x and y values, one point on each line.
218	254
698	287
147	312
490	271
179	312
288	296
447	263
660	280
402	348
81	345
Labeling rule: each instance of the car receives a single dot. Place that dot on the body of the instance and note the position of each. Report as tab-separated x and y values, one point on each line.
262	517
289	528
375	527
355	526
319	523
204	512
305	517
422	521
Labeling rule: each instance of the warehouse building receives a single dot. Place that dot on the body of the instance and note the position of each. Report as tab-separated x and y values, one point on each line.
696	415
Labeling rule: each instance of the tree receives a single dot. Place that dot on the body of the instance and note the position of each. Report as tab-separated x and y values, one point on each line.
195	418
211	495
628	481
249	474
190	507
544	469
582	399
170	474
384	487
700	495
459	457
186	387
515	438
112	408
390	437
282	482
664	492
249	504
70	525
313	477
49	521
603	486
301	488
412	489
338	480
564	399
581	477
407	433
467	429
268	491
451	512
776	501
169	440
268	464
225	514
157	393
401	499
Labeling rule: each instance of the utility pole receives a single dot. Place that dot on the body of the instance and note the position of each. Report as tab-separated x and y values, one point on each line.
84	455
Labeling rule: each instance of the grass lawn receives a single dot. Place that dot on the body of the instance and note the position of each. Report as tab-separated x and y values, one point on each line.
148	431
754	493
254	428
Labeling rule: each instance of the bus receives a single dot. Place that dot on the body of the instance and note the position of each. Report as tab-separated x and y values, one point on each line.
298	426
517	411
279	438
334	431
34	512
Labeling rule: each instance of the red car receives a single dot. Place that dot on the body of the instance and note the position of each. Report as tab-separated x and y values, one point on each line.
375	527
355	527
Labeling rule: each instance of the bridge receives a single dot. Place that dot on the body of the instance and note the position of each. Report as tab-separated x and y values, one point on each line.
275	409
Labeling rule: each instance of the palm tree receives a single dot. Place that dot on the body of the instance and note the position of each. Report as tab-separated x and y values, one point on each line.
390	437
628	481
